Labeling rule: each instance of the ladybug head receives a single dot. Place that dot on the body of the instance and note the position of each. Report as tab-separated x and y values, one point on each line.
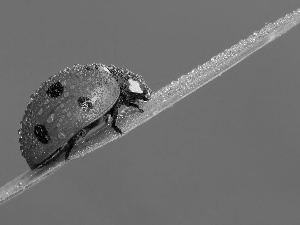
137	87
132	85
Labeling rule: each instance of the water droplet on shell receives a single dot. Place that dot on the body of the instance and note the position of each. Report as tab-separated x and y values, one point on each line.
50	118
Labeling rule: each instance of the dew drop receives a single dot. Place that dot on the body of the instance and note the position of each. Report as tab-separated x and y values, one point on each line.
50	118
40	112
66	94
58	125
62	105
69	114
72	87
61	135
46	102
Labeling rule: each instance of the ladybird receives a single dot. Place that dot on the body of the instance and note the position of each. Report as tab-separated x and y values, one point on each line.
71	103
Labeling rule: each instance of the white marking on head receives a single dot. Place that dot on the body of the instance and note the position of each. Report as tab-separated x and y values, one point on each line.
134	86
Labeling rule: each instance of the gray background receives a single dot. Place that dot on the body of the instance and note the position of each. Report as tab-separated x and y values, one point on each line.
227	154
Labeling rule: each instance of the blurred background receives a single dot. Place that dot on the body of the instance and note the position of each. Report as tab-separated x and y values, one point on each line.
227	154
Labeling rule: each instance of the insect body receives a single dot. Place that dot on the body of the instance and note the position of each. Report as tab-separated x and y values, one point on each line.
73	102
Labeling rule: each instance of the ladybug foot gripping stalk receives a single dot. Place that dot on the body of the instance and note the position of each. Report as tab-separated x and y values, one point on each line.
114	111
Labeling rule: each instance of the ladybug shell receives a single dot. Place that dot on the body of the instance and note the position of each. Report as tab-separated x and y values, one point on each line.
62	106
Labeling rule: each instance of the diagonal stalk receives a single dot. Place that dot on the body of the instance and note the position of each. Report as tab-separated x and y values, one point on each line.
161	100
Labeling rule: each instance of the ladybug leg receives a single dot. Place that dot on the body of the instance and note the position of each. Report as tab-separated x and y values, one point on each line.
82	133
51	158
73	140
108	116
68	148
145	97
135	106
114	114
68	151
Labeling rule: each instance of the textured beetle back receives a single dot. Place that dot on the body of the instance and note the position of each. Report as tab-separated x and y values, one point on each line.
63	105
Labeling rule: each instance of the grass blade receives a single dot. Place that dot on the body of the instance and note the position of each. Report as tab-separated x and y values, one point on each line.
162	99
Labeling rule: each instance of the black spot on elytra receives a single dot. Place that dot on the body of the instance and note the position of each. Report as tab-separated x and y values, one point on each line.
85	103
41	133
55	90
